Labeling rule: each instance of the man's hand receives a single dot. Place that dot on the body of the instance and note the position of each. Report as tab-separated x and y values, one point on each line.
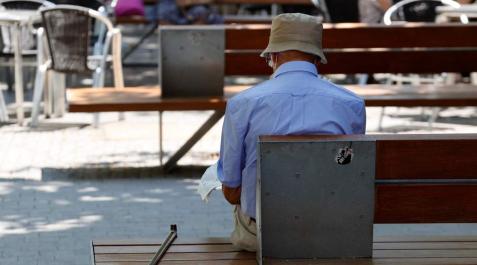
232	195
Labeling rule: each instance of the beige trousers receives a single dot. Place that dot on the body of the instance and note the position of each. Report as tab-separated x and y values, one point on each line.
244	235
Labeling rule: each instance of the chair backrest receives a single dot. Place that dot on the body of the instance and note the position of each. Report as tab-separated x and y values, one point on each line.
415	10
68	30
68	33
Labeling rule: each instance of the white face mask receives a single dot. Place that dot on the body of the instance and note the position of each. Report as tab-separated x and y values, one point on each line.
270	62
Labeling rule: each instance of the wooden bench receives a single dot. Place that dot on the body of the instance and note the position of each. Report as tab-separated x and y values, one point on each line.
425	250
419	179
350	49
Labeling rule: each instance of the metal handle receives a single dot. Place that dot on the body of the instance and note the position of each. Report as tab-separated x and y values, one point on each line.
165	246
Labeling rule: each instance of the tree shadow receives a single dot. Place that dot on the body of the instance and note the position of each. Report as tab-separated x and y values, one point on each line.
56	220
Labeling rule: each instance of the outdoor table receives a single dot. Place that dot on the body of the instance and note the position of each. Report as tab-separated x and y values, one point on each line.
16	19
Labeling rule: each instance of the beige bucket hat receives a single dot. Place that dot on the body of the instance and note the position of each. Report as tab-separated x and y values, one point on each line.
295	31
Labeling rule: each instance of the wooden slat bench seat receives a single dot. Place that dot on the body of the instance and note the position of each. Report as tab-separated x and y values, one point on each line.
149	98
423	250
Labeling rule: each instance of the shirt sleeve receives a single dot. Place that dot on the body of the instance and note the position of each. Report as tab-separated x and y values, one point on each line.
232	153
359	123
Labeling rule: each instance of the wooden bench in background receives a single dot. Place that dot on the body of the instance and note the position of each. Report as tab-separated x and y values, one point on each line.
419	179
350	49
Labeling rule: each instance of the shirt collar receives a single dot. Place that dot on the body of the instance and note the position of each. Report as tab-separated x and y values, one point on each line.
296	66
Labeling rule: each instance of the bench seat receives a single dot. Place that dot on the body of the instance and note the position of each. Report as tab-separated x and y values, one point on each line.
149	98
425	250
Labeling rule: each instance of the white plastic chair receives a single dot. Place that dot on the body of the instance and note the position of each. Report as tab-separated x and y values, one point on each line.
68	33
395	11
28	39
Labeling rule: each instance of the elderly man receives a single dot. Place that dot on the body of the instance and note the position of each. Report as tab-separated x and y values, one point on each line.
296	100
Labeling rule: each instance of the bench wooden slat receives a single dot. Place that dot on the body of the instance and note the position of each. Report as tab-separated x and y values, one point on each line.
426	253
400	261
158	242
424	239
193	262
391	61
430	261
451	159
426	204
173	249
362	61
148	98
177	256
424	245
355	35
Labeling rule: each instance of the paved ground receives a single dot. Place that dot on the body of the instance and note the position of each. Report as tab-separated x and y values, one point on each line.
65	183
53	222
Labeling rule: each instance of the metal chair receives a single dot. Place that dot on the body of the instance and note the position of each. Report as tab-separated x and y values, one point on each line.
397	12
68	33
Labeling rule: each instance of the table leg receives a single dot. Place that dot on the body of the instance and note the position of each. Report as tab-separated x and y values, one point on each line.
3	108
18	72
172	162
161	149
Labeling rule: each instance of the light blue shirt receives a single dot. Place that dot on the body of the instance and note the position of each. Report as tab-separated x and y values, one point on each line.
296	101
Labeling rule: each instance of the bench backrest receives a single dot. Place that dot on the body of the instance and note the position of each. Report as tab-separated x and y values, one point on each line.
361	48
418	178
316	194
195	59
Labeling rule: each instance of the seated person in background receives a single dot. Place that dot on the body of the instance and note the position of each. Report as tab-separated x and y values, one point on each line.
93	4
372	11
186	12
295	101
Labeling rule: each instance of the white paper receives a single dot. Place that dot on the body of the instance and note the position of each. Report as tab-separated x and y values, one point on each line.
209	182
